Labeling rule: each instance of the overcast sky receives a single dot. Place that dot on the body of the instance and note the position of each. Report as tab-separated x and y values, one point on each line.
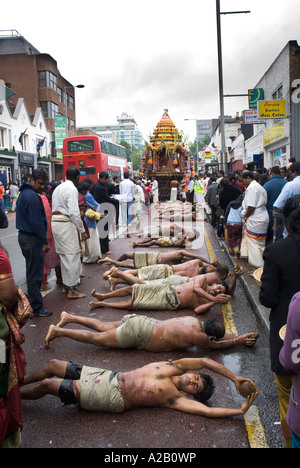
143	56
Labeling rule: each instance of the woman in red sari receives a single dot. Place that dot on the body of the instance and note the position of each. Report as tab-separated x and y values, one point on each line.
12	359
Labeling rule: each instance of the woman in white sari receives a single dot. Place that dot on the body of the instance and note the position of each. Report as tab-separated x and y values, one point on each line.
256	221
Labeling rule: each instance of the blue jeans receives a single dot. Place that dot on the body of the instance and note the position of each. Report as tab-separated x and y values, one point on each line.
127	212
32	250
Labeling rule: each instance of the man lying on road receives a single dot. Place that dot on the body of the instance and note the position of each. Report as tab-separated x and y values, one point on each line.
159	384
141	332
195	294
143	259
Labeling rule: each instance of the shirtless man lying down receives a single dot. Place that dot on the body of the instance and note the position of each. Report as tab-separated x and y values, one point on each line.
159	384
191	268
143	259
196	294
148	334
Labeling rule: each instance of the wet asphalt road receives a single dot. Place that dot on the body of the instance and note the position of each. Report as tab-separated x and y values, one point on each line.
47	424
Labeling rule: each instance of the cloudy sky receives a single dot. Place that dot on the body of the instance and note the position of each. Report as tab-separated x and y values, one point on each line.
143	56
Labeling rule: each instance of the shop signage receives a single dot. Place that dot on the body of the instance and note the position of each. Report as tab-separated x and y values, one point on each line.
271	109
274	134
60	130
251	117
26	158
255	95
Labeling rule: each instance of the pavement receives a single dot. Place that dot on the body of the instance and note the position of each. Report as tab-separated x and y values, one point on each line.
252	290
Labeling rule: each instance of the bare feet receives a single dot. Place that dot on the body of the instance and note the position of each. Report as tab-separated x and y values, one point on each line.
107	274
94	305
97	295
73	294
113	283
50	335
104	260
64	319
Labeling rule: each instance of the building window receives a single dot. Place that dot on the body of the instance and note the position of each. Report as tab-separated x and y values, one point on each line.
2	139
43	79
71	102
47	80
278	94
49	109
53	81
59	92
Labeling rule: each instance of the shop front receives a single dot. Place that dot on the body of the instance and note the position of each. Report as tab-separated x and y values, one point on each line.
277	145
254	156
26	164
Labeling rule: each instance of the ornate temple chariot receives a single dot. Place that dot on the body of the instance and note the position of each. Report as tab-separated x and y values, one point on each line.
166	156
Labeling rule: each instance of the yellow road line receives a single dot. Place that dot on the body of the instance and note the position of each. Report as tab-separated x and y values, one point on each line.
256	433
226	309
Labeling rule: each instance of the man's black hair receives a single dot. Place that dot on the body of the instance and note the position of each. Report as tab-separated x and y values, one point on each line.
40	174
222	269
208	389
223	283
214	327
103	175
72	173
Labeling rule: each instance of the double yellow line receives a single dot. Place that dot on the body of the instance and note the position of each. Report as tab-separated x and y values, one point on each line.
256	433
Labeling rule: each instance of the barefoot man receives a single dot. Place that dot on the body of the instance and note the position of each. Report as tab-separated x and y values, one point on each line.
67	228
148	274
154	272
195	294
143	259
159	384
148	334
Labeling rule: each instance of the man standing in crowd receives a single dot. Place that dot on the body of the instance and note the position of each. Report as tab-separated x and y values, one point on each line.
102	197
127	194
274	188
291	189
66	224
256	220
32	223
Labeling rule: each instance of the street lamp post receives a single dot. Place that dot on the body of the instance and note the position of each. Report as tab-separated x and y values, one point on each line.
80	86
221	84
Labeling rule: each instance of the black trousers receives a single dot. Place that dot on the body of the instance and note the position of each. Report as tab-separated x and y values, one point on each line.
32	250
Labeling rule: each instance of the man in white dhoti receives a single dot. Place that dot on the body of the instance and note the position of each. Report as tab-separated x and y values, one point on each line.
67	230
256	221
155	190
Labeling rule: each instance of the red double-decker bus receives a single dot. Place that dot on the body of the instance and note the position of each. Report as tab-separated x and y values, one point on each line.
92	155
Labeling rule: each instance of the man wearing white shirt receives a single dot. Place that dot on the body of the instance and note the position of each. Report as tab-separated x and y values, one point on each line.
127	192
256	218
66	224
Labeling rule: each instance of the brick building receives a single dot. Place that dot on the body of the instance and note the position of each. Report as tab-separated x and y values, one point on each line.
35	77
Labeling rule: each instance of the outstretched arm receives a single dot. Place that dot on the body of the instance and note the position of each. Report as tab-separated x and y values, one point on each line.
194	407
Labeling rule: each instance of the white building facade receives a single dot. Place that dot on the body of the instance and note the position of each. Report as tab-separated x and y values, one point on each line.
19	140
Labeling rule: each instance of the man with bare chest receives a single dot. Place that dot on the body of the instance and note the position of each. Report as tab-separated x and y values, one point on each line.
155	272
148	334
196	295
155	385
144	259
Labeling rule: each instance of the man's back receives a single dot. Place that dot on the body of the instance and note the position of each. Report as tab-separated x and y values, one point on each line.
177	333
31	216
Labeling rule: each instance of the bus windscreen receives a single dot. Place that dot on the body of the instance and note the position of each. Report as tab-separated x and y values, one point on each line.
80	145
